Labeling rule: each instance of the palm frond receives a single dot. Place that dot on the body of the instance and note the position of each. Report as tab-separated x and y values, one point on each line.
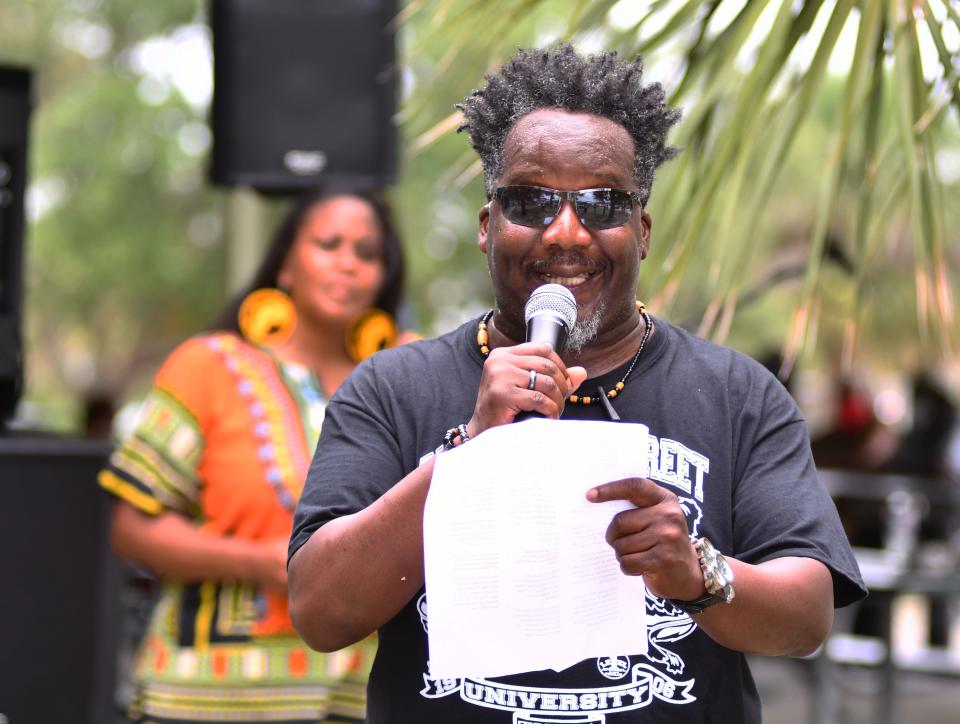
755	80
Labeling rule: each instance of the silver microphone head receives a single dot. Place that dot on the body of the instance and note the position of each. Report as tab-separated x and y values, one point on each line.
553	299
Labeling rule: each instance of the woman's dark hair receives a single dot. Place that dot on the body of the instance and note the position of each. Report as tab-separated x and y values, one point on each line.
391	289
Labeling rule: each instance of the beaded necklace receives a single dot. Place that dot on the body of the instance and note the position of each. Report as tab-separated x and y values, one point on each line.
483	342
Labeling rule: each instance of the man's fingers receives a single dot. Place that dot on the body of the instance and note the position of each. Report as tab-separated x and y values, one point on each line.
642	492
537	349
634	564
538	357
577	376
636	540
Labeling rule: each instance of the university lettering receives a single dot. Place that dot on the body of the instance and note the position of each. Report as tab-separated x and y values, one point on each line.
629	696
647	683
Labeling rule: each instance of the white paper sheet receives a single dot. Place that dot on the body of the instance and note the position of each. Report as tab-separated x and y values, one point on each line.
519	576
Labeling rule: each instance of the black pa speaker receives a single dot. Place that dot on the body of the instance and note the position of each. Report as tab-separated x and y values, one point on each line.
304	92
59	608
14	119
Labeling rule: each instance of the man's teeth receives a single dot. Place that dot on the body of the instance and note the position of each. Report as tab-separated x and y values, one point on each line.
567	281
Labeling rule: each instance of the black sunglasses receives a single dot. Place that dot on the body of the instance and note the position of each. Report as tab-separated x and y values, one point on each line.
537	207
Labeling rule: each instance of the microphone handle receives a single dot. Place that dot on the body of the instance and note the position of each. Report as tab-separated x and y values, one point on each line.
544	328
547	328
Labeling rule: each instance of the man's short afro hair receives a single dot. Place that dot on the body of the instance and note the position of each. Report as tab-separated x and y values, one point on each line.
558	77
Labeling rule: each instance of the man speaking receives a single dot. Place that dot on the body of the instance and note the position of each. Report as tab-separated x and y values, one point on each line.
739	546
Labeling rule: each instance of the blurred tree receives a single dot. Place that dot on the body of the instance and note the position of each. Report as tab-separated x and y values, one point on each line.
818	133
123	252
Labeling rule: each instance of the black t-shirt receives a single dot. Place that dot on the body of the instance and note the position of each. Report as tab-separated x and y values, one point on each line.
724	436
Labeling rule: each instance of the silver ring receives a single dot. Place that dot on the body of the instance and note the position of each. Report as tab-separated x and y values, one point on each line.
533	380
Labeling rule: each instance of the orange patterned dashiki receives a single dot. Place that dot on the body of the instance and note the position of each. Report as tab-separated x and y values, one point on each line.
225	439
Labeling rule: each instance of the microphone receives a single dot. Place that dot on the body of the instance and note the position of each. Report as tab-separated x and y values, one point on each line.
550	314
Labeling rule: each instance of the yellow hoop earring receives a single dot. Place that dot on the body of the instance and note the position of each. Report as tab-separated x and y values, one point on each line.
267	316
373	331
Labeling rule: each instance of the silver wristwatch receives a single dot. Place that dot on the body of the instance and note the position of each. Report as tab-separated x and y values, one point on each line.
717	577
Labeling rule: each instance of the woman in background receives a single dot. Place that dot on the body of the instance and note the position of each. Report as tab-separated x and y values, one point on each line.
208	482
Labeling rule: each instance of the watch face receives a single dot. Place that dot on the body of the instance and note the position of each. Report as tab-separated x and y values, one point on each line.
717	576
717	573
726	572
727	575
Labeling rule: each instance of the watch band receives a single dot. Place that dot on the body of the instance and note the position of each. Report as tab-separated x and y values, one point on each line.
697	605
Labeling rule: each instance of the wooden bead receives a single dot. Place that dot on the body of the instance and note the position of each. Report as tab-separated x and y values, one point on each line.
483	344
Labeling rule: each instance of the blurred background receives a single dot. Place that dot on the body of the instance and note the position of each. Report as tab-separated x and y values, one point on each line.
810	221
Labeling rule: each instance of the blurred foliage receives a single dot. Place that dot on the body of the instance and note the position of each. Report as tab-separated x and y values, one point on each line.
815	136
122	255
805	191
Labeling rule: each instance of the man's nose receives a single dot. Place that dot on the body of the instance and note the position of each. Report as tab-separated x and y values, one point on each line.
565	230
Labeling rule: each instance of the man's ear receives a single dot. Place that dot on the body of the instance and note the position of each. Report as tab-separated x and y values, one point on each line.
484	227
646	225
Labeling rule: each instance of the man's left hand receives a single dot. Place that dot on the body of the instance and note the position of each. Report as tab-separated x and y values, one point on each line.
652	540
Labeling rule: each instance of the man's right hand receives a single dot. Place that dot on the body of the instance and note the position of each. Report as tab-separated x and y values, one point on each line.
504	391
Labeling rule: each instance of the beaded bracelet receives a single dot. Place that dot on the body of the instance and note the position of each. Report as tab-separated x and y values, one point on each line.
454	432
